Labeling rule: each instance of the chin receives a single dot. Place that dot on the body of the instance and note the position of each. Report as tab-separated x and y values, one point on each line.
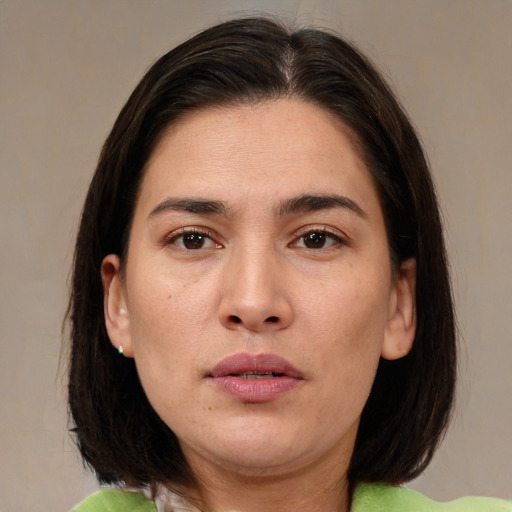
261	464
260	455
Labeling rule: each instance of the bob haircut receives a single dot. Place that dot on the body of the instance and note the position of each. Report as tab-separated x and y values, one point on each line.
246	61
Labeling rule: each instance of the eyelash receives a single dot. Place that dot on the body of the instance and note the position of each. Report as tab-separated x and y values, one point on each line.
337	238
324	231
181	233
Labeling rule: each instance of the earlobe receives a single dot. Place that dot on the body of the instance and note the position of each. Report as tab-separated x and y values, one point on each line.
401	328
117	320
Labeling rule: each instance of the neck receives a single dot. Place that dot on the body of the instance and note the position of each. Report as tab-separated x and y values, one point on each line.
317	489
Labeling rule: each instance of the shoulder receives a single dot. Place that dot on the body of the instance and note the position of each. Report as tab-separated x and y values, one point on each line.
112	500
385	498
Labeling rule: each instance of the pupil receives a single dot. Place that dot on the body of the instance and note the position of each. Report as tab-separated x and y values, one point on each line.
193	241
314	240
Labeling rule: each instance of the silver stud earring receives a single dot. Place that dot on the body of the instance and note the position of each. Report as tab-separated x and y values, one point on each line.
120	350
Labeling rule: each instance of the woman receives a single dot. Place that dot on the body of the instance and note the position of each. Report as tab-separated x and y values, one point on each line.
261	311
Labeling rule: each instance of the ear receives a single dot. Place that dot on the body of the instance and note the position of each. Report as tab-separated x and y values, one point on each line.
401	327
117	319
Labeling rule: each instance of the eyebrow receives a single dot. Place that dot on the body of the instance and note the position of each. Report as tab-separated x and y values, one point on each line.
312	202
198	206
292	206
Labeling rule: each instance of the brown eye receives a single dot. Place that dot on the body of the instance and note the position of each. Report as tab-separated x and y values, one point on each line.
317	240
192	241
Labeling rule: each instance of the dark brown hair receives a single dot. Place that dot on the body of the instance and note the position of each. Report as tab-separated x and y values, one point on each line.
246	61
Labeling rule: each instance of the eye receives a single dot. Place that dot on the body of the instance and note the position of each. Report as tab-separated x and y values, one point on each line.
317	239
192	240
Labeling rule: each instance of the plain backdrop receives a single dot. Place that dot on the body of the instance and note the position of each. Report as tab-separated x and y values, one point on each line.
67	67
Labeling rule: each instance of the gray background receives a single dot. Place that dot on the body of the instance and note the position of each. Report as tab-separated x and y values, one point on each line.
66	69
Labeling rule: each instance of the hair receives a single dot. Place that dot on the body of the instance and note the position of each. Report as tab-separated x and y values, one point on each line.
246	61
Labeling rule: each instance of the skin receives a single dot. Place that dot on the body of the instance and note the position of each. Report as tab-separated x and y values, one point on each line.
312	285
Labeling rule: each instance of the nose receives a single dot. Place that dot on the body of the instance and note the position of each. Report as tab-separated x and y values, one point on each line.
255	293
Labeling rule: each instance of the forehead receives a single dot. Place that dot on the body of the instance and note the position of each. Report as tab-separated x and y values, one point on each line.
277	148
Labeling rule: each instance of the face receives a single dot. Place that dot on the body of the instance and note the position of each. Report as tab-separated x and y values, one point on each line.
257	295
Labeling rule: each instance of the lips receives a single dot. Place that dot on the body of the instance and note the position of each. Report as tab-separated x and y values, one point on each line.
255	378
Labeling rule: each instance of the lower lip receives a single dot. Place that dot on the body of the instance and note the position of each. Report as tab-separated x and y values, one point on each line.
254	391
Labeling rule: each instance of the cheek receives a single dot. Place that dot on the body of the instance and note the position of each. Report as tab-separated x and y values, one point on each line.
169	310
355	307
170	316
165	327
348	323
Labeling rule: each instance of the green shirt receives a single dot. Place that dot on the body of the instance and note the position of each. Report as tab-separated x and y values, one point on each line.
367	498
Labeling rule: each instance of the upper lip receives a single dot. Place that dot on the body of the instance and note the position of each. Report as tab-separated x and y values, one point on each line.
244	362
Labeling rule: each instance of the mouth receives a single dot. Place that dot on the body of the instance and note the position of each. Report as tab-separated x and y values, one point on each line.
254	366
256	375
255	378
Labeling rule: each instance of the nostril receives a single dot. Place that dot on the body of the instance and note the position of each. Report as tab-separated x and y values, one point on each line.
235	319
272	319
